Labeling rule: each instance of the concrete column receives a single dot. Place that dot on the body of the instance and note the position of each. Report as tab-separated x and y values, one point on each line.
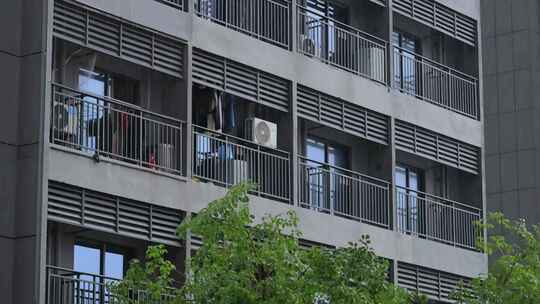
480	91
294	145
187	248
188	107
23	50
393	163
390	49
294	25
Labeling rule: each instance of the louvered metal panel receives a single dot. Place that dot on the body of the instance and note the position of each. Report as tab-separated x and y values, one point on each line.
99	211
404	7
196	242
380	2
65	203
109	213
433	283
307	244
115	37
240	80
429	144
339	114
439	17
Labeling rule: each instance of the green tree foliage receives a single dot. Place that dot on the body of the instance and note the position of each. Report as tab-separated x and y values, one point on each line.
243	261
148	282
514	274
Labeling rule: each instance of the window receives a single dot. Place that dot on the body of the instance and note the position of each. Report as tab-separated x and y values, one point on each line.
96	264
406	74
327	9
324	151
99	259
325	161
92	108
105	126
409	183
322	18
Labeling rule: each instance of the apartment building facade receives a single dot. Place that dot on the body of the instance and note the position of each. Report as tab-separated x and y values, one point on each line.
124	116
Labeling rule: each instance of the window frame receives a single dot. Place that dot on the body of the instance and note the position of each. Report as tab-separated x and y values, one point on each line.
329	143
104	248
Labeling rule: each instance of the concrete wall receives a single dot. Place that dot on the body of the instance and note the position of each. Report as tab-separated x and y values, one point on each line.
22	55
512	111
203	34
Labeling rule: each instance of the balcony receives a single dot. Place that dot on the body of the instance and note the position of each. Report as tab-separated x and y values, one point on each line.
65	286
341	45
105	127
438	219
226	160
341	192
267	20
435	83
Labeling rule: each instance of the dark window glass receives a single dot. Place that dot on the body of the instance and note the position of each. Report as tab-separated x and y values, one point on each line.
323	169
406	68
409	185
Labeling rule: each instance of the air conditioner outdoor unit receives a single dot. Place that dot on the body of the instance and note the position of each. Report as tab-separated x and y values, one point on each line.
308	46
262	132
65	118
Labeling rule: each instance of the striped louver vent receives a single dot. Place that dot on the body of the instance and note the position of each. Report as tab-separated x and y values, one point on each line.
104	212
117	38
196	242
380	2
433	283
429	144
439	17
339	114
240	80
307	244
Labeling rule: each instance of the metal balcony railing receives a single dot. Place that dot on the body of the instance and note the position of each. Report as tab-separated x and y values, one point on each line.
341	45
435	83
267	20
65	286
103	126
436	218
227	160
342	192
178	4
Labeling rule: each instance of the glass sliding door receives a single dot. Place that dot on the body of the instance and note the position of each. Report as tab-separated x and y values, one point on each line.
324	161
92	108
95	265
408	185
406	68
